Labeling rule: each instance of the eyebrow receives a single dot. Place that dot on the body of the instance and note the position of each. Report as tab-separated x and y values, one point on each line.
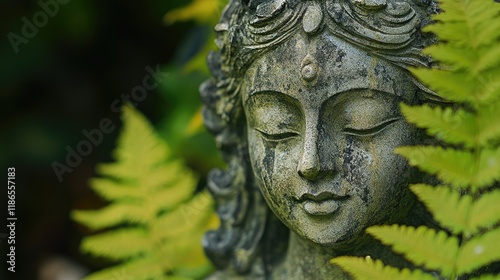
282	97
329	99
253	91
361	89
272	93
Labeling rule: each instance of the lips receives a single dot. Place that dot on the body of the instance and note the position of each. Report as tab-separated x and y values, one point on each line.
324	203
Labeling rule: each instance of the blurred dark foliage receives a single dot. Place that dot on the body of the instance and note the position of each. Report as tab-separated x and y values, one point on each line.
64	80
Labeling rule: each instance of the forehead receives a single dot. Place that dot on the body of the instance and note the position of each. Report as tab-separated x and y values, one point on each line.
340	67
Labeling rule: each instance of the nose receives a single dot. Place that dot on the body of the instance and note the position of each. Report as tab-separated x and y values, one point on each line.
309	165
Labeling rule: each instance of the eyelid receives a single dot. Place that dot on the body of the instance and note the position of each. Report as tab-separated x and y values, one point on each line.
277	136
371	130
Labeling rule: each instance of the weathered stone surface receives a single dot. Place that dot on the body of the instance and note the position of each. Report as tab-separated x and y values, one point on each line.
304	105
312	19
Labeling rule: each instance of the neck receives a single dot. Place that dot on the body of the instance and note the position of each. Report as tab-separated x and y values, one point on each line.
307	260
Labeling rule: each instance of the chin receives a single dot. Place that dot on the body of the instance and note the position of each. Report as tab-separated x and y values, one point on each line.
340	239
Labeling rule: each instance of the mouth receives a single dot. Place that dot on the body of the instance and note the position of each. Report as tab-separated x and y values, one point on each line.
324	203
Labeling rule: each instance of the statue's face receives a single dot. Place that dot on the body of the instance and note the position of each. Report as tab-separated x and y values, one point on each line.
321	137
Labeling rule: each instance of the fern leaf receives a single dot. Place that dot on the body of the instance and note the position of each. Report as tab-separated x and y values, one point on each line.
453	86
193	217
459	214
451	31
191	272
145	186
453	127
489	169
187	217
485	24
111	215
454	12
144	268
469	32
486	212
368	269
176	277
110	244
489	127
453	214
423	246
131	173
111	190
459	58
470	19
488	90
490	58
489	33
141	154
454	167
182	248
168	198
487	277
479	251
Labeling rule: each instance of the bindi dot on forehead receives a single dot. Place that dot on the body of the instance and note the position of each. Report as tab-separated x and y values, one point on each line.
309	69
309	72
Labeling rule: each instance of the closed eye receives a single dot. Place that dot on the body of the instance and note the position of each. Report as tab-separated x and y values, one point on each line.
371	130
277	136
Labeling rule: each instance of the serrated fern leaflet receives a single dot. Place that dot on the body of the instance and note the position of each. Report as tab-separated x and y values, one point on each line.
154	222
466	204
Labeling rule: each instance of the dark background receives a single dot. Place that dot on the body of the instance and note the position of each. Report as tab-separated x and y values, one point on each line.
64	80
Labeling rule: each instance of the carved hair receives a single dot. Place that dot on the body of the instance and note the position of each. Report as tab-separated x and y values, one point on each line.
389	29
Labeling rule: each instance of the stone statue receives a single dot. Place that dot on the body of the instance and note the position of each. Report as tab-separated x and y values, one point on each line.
304	106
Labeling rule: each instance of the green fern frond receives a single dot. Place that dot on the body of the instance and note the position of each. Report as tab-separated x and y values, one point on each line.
487	60
454	127
489	169
144	268
479	251
189	217
469	54
478	24
459	168
111	190
485	212
453	167
488	124
148	230
460	214
423	246
458	58
453	214
446	83
487	277
111	215
368	269
111	244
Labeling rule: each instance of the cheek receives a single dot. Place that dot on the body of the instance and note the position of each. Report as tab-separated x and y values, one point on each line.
379	177
261	158
272	165
357	167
